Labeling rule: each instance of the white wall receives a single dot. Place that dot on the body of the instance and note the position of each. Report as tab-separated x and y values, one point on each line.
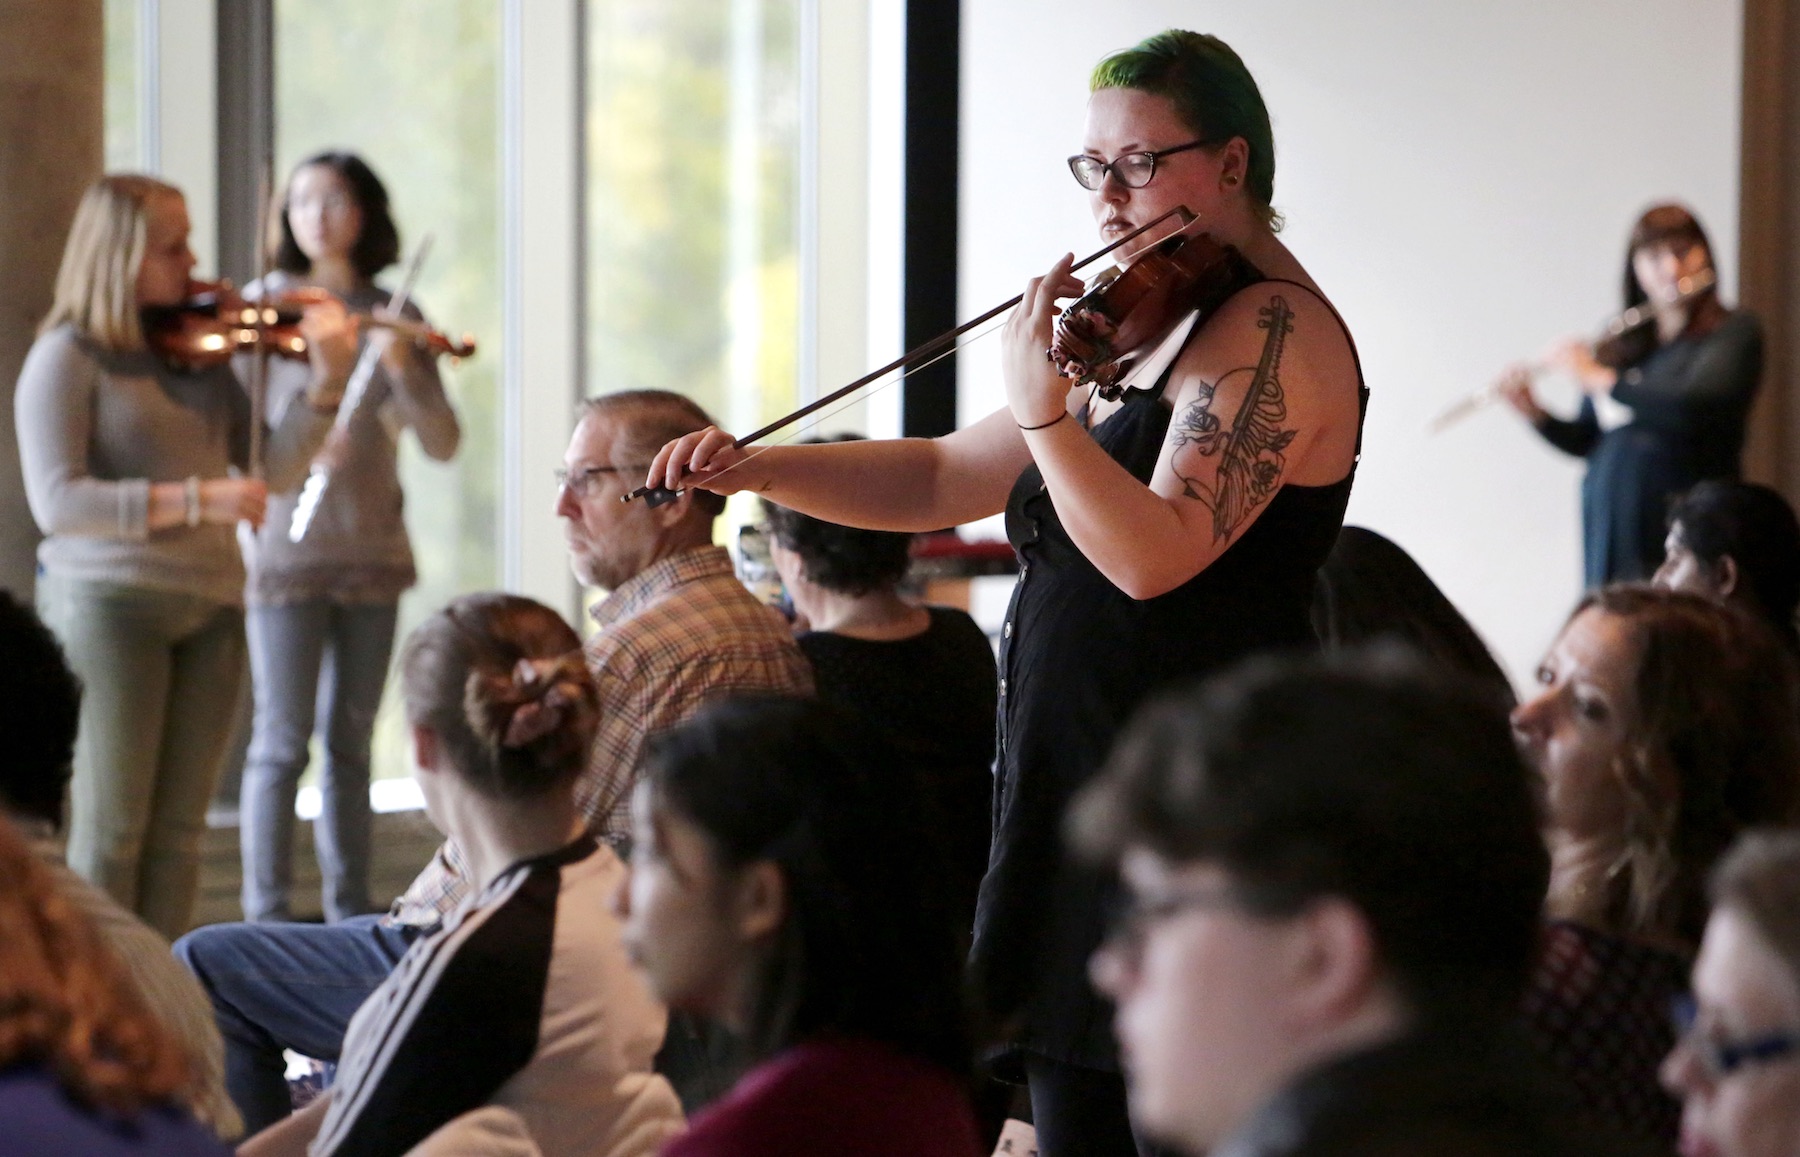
1459	177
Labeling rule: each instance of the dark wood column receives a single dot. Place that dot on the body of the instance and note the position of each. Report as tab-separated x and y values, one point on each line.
1769	233
52	145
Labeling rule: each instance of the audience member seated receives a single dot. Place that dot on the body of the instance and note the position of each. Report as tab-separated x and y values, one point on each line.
84	1067
921	678
1332	879
676	631
524	999
1739	543
1370	589
1737	1064
779	883
40	707
1665	724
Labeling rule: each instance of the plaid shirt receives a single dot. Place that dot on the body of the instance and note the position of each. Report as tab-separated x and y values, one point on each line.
672	639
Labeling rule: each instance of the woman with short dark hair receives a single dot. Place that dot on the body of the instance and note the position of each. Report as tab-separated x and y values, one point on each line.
781	881
920	677
1736	542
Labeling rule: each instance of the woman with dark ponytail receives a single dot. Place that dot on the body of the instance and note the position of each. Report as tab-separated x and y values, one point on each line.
524	1001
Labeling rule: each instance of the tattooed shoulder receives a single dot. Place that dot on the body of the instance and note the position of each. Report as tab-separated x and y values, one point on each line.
1250	451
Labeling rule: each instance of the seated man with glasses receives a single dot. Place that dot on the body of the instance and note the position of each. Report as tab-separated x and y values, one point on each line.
675	632
1333	877
1737	1064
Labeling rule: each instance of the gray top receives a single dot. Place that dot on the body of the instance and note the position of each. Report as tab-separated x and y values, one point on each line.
356	550
97	428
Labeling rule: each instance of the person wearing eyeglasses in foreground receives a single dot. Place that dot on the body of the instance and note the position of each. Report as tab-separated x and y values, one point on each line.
1161	536
1737	1064
1332	879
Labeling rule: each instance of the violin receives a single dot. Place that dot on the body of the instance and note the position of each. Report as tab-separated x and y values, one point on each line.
1128	307
1179	274
215	322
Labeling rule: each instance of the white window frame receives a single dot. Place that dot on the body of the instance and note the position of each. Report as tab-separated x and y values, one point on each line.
848	241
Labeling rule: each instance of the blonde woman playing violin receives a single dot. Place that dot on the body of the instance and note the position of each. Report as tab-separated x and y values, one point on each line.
1160	536
131	466
323	610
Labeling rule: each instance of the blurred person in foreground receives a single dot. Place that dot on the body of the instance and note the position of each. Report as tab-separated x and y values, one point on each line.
1737	1064
781	883
1332	875
1738	543
1663	726
1371	589
40	706
84	1066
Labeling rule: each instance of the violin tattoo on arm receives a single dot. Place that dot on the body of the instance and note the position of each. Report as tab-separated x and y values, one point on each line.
1250	452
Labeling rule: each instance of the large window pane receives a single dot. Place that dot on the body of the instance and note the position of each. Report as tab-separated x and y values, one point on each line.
692	170
413	87
122	82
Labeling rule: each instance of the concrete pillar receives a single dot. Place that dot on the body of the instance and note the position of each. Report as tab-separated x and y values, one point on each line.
52	93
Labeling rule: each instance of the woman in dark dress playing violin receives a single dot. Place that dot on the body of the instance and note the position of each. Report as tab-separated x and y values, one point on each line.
1160	535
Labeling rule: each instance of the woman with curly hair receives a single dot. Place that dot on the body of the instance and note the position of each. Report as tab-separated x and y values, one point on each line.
1665	724
84	1067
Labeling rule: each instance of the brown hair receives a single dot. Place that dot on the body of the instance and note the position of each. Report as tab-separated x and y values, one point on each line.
65	1002
1760	879
1665	224
647	421
96	285
1716	749
501	682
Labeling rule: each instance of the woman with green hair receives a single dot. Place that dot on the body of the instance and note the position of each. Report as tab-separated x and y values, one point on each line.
1161	535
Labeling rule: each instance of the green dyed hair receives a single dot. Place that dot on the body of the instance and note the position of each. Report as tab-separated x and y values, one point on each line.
1213	93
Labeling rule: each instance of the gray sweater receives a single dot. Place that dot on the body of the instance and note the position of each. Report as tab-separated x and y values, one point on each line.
356	550
97	428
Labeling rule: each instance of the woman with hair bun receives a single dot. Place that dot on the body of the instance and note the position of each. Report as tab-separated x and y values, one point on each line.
1162	534
1665	724
524	1000
323	610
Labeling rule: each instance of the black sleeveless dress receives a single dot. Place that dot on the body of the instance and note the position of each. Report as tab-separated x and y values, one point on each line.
1077	656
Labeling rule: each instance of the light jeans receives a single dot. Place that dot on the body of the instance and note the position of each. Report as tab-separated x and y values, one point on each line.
161	673
318	666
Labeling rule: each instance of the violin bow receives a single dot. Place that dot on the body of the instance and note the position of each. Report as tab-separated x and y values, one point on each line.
654	496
